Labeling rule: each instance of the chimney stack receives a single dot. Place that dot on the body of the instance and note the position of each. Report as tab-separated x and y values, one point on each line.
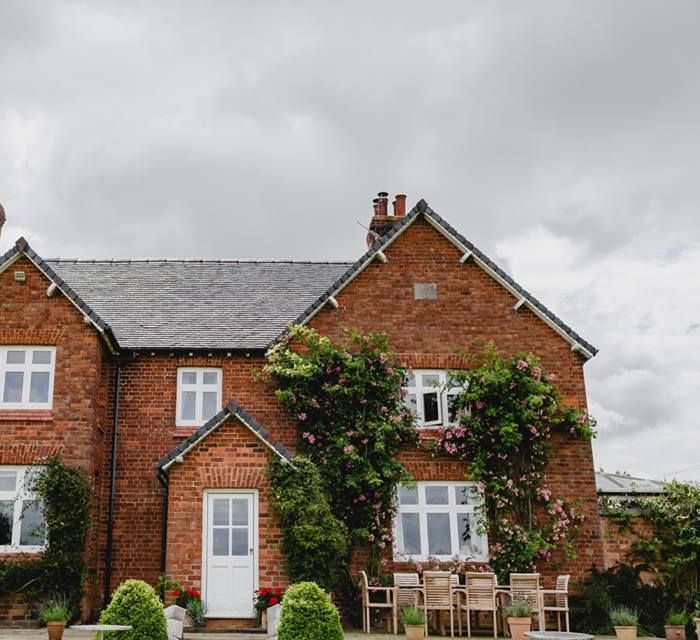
3	218
382	221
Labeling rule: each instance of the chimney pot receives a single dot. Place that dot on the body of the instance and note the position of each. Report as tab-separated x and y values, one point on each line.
383	204
400	205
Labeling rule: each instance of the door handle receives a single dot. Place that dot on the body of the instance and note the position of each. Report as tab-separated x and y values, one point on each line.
250	551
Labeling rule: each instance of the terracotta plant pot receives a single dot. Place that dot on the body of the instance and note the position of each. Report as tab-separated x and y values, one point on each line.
626	633
674	632
55	630
415	631
696	622
519	627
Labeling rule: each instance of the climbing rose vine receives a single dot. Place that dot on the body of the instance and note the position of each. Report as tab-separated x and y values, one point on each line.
346	398
507	412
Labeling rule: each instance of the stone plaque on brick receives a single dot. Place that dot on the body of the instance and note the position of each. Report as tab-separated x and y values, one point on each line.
424	290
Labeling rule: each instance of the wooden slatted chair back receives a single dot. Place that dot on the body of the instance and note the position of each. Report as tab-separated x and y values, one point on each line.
406	596
364	586
481	591
525	587
437	587
562	585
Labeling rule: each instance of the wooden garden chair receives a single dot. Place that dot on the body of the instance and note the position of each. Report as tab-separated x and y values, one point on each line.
525	587
367	604
478	594
557	600
438	596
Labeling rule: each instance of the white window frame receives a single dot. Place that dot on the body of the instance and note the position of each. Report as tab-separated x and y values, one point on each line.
18	496
27	368
441	389
199	388
451	508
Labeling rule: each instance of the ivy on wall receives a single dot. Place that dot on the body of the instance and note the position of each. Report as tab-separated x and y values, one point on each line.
507	412
347	400
60	568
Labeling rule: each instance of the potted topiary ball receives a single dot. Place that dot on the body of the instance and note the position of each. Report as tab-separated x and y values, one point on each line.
674	629
413	620
519	616
55	614
307	612
135	603
625	621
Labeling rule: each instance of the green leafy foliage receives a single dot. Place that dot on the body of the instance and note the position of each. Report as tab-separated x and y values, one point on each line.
677	618
347	400
622	616
65	494
519	610
57	610
412	615
308	613
135	603
195	609
314	540
508	411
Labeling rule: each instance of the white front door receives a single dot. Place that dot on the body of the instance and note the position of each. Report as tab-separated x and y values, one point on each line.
230	555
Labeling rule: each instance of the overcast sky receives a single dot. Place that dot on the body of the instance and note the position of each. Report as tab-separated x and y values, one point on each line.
562	138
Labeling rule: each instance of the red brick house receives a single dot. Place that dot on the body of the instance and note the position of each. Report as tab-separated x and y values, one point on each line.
142	373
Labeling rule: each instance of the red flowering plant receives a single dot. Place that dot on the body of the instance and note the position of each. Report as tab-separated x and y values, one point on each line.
508	411
266	598
183	596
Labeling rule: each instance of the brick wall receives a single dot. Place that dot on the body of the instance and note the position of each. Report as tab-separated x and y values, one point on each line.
470	310
74	427
618	540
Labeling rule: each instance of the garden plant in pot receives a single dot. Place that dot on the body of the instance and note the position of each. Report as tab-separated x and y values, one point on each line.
55	614
674	629
413	620
625	621
519	619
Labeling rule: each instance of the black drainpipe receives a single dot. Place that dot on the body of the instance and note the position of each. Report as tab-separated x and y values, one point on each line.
162	476
112	492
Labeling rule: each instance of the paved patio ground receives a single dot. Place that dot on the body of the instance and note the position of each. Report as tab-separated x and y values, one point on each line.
71	634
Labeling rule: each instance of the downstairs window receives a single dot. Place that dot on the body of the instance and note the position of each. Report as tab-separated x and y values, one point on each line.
22	527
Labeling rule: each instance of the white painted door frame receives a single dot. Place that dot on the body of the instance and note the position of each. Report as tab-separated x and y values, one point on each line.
254	537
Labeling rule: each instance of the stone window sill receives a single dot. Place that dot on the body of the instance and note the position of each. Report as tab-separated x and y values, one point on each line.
26	415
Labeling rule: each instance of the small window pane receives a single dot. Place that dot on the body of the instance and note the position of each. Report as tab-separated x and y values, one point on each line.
32	530
439	543
436	494
220	542
13	386
220	516
409	380
431	380
239	542
211	377
16	357
209	405
463	494
466	529
240	512
8	480
408	495
412	403
41	357
410	532
189	377
39	386
189	399
7	508
431	411
452	408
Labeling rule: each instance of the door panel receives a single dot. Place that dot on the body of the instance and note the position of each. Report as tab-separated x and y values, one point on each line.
230	555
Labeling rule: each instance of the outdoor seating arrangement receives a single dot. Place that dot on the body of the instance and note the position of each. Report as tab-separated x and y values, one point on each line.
441	595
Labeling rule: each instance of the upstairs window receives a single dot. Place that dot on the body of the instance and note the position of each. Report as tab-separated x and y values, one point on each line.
26	377
430	394
441	520
198	396
22	527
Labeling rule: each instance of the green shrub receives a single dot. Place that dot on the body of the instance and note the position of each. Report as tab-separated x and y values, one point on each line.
622	616
135	603
519	610
308	613
677	618
55	611
412	615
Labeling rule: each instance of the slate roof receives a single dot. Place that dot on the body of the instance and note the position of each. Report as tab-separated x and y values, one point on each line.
231	409
171	304
228	304
619	484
